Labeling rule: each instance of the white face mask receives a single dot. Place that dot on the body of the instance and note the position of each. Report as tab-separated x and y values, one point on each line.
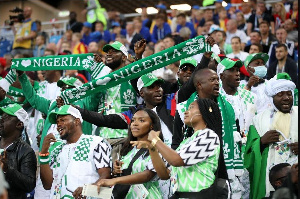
260	71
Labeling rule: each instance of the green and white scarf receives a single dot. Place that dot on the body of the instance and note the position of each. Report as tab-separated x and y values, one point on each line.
134	70
231	150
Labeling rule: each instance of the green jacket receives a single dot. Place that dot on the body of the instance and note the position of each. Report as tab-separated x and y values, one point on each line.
46	106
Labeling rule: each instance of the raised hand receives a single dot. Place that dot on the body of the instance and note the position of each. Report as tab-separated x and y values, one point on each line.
139	48
47	141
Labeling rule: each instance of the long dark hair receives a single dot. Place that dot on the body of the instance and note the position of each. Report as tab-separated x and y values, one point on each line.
212	117
156	127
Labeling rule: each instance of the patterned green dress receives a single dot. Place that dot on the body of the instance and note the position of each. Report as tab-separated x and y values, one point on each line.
200	154
141	164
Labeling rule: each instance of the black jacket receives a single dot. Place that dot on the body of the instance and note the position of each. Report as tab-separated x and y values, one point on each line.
21	172
290	68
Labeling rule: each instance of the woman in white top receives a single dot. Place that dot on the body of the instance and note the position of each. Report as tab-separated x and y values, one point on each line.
236	49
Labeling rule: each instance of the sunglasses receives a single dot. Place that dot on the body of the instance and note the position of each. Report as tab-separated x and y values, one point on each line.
186	68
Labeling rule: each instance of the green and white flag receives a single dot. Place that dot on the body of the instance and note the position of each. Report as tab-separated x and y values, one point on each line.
134	70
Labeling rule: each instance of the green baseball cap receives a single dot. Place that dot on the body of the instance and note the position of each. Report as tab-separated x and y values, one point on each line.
188	61
71	81
65	110
116	45
17	111
227	64
147	80
252	57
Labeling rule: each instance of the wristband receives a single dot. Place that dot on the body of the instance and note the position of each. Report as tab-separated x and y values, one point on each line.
43	154
44	159
155	140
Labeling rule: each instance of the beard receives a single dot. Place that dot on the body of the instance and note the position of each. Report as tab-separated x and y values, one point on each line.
114	65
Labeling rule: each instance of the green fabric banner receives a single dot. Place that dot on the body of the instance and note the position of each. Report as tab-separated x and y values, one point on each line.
134	70
61	62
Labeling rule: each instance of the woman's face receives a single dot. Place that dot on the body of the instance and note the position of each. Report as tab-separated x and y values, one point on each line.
192	115
141	124
277	8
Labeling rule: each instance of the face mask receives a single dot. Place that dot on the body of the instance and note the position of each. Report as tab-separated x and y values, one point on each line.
260	71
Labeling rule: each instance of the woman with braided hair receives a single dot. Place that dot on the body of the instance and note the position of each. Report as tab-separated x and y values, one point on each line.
193	165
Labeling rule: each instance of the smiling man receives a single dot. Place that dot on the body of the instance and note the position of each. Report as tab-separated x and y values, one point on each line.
80	159
273	136
119	98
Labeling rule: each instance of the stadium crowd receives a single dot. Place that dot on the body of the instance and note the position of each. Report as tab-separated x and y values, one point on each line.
222	123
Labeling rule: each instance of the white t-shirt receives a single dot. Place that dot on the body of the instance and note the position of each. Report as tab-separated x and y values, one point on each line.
242	55
239	33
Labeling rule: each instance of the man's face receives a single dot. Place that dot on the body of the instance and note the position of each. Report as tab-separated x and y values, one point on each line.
219	37
185	72
85	30
27	12
263	28
288	25
262	7
281	35
113	58
280	53
281	176
99	27
72	16
235	44
207	25
255	37
168	42
159	22
231	77
253	49
7	124
257	62
137	24
93	47
65	126
230	26
246	8
181	20
209	85
283	101
153	94
129	29
208	14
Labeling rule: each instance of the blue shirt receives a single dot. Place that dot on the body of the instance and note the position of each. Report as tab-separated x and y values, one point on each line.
190	26
160	33
97	36
86	39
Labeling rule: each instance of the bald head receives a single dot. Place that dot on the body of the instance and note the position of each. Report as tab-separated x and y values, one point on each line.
231	25
206	82
201	74
27	12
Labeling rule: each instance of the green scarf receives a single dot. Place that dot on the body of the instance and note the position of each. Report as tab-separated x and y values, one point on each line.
61	62
134	70
127	98
231	151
